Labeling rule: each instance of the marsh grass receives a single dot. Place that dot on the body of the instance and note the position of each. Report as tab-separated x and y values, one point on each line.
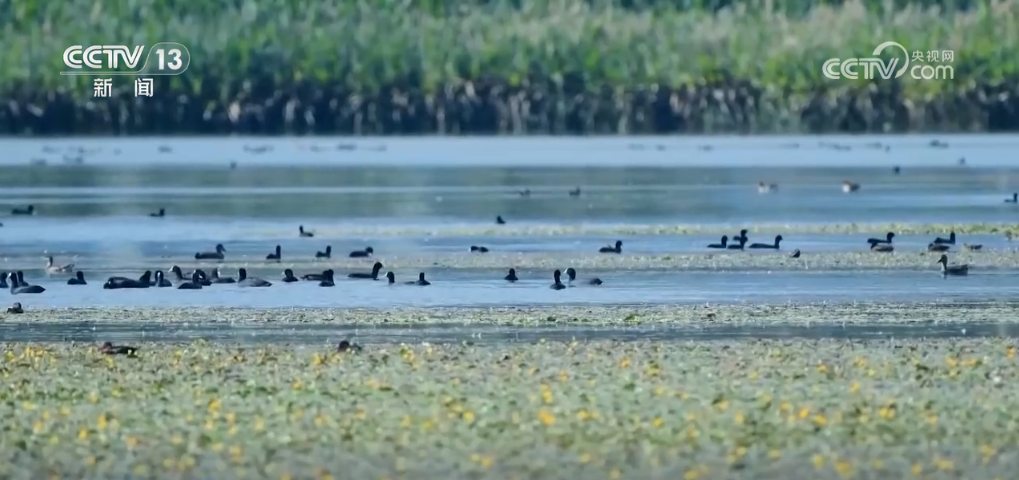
370	44
735	409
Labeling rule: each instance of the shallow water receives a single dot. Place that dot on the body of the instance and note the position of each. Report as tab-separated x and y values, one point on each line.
439	196
437	333
464	288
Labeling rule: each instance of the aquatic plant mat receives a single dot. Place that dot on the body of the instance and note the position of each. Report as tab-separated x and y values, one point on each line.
763	409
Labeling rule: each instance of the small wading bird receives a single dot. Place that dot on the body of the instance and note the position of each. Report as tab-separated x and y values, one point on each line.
766	187
850	187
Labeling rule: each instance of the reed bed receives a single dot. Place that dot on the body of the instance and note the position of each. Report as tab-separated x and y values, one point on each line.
733	409
556	66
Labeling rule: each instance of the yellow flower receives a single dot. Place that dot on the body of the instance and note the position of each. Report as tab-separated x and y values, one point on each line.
844	468
83	434
468	416
101	423
818	461
917	469
739	419
546	417
657	422
820	420
855	387
804	413
615	473
131	442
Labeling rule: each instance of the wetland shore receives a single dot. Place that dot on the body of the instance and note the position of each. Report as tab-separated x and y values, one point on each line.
728	409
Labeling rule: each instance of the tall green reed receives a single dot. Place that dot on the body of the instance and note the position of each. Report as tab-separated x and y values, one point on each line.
368	44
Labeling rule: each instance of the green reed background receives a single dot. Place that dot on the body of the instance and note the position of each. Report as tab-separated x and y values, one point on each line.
368	44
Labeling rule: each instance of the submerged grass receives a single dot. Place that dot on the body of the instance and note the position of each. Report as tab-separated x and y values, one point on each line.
370	45
737	409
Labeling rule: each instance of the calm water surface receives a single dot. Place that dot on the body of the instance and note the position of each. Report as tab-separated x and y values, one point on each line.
93	198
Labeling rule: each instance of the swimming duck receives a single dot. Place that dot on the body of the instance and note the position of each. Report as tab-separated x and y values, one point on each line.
244	281
194	284
115	283
367	252
108	348
766	187
850	187
881	247
575	192
275	256
525	192
217	255
159	214
558	285
15	308
218	279
479	249
315	277
391	277
79	279
3	279
722	244
420	281
888	239
896	170
512	277
795	254
304	234
971	247
955	270
737	246
778	238
327	281
326	254
946	241
51	268
499	220
17	288
30	210
345	346
933	247
1014	199
161	281
571	275
288	276
373	276
610	249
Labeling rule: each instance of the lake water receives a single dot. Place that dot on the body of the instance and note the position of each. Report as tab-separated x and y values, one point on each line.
405	196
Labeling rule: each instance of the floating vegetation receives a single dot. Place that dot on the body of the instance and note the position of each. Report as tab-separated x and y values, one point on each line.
729	409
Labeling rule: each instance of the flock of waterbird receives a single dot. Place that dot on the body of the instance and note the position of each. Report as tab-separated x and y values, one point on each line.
199	279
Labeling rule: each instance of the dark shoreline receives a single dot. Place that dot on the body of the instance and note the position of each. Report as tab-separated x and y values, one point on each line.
495	107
